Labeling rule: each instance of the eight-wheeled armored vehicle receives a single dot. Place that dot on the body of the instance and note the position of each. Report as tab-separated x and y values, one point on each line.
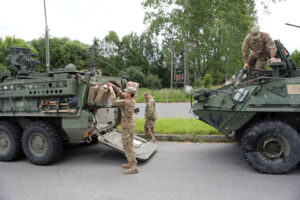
261	108
41	111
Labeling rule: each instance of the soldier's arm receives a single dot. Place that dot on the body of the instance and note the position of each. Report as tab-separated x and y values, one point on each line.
245	49
271	45
118	91
117	102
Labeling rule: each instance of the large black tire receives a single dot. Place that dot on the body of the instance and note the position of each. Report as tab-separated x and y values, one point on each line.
271	147
10	141
42	143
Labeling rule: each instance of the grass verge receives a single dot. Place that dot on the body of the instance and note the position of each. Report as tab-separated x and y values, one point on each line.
178	126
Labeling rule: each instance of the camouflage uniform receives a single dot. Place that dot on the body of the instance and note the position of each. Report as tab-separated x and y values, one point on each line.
150	117
261	49
128	123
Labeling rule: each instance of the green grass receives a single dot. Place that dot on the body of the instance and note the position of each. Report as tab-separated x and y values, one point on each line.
178	126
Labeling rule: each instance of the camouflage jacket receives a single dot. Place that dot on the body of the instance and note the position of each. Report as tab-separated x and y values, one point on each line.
150	110
262	48
127	107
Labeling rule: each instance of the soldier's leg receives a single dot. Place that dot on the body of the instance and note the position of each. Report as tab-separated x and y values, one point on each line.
152	131
252	60
260	63
128	145
125	135
147	129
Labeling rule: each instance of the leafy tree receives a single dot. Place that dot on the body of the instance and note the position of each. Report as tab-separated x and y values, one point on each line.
296	57
62	52
214	31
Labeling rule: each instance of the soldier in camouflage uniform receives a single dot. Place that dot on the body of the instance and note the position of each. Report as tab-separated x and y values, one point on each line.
127	105
261	45
150	117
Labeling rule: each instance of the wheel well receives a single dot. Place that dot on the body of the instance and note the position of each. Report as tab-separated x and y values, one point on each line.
291	118
24	122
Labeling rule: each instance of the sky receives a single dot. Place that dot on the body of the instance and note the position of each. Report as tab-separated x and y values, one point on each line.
85	19
274	23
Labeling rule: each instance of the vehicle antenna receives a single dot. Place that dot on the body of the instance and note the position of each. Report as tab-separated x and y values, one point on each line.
292	25
47	40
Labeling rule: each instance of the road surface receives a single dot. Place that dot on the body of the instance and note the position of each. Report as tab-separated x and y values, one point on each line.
168	110
177	171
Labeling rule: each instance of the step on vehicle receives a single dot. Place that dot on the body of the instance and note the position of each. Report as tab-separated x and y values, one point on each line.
261	108
39	112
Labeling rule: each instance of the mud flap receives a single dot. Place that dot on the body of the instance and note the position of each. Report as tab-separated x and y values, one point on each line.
143	148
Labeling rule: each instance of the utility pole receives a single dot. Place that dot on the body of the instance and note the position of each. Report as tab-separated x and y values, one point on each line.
93	59
185	62
172	64
47	41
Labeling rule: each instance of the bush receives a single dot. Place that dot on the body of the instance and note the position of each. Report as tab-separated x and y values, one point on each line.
135	74
151	81
207	80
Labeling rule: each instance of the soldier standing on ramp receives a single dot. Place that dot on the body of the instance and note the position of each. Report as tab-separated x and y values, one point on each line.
127	105
261	45
150	116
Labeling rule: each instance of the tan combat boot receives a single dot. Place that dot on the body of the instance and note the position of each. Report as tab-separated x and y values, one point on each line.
153	139
126	166
132	170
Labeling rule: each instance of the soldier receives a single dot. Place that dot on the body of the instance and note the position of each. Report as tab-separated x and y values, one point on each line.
262	46
127	105
150	116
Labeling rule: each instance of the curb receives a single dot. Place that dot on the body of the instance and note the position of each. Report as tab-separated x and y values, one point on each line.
191	138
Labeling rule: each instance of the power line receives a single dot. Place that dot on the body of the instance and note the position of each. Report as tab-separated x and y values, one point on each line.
100	60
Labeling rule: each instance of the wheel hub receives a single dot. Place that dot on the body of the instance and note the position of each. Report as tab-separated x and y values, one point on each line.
4	142
38	144
272	147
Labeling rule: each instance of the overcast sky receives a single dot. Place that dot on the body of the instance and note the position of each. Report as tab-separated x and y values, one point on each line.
85	19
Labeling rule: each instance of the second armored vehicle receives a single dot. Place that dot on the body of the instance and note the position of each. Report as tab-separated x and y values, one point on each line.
262	109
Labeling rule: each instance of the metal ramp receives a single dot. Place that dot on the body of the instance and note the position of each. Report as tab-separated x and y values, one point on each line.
143	148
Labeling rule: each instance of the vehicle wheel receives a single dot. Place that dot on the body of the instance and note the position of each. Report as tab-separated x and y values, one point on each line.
42	143
10	141
271	147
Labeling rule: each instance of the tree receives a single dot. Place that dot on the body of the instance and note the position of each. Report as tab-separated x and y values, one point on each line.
62	52
296	57
12	42
214	30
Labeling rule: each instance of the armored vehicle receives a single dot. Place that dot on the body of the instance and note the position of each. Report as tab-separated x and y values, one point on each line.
39	112
261	108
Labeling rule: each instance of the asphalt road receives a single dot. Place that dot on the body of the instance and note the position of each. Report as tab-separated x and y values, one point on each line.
177	171
168	110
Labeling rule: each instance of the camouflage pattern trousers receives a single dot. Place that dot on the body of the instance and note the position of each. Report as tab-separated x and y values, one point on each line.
149	128
259	62
127	139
